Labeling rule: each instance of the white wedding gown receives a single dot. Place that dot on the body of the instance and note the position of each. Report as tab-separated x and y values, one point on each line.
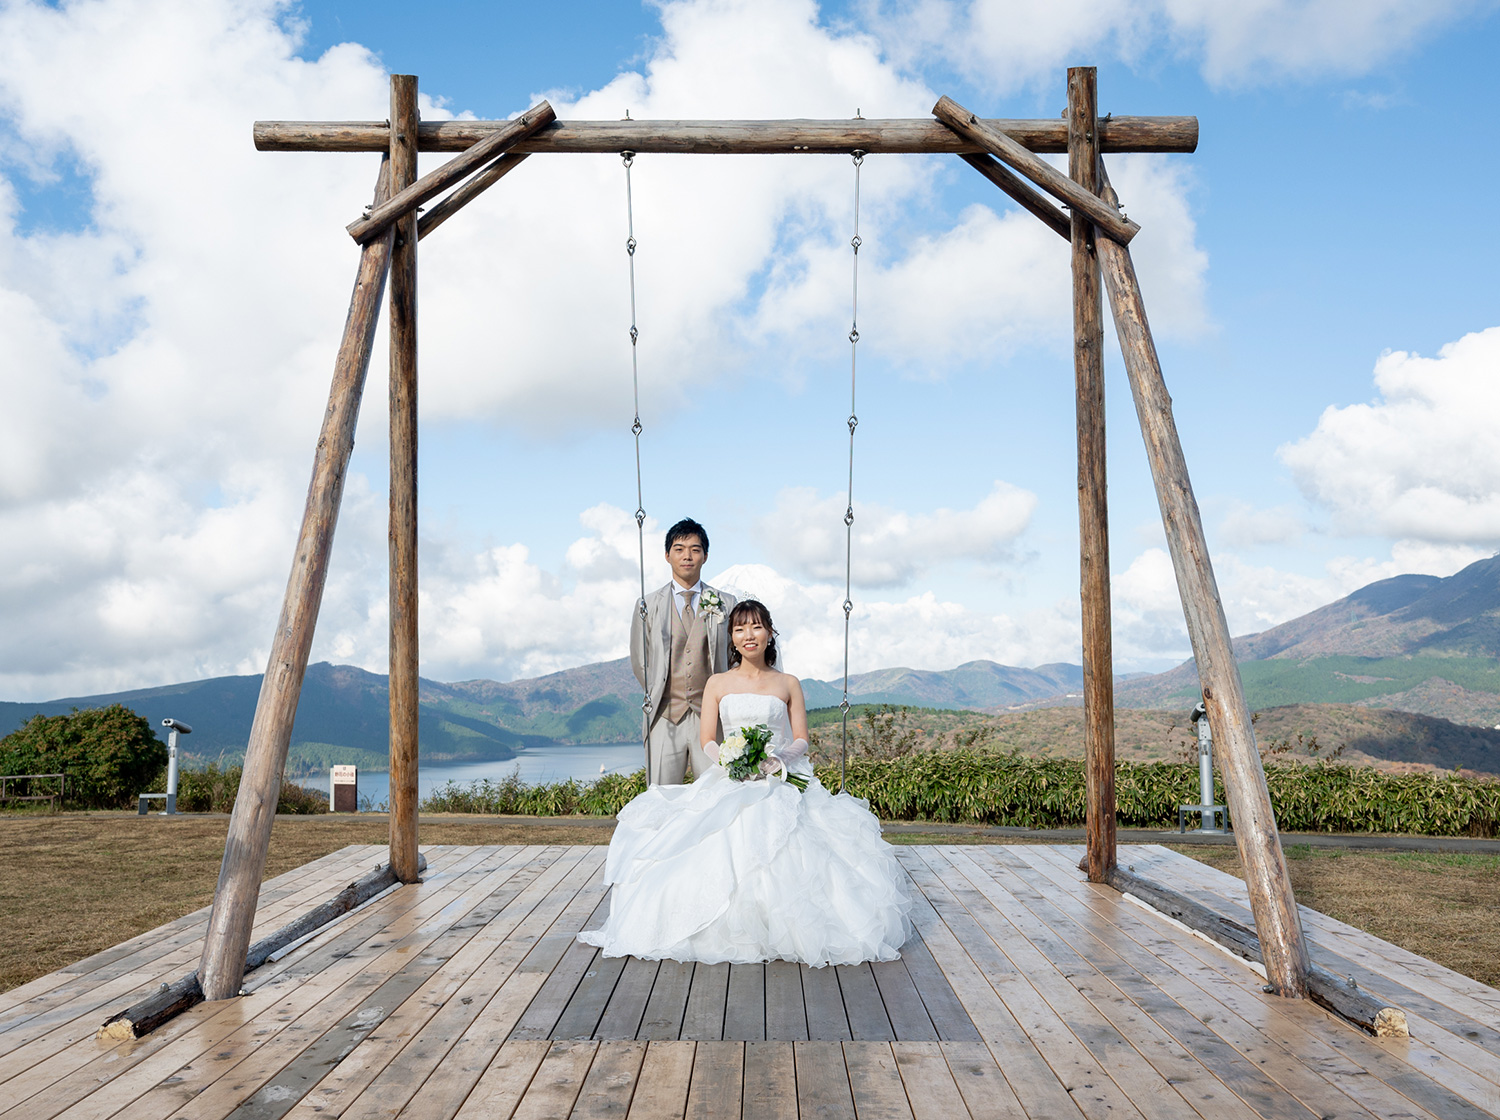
721	870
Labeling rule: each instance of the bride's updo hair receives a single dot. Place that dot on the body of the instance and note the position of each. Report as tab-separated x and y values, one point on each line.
751	610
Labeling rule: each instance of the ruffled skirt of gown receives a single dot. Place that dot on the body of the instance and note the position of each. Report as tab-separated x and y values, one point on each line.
742	872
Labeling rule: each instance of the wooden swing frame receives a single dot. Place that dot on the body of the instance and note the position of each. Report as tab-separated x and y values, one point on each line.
1005	152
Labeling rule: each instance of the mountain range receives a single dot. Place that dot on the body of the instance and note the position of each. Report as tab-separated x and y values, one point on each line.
1413	643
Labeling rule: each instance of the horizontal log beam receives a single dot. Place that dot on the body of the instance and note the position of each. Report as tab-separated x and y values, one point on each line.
434	183
1105	217
1116	134
1338	994
170	1000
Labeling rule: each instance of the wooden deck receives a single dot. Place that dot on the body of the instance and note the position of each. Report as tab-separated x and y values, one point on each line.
1029	993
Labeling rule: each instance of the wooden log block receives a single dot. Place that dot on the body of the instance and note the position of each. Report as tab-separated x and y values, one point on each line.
1018	189
404	701
1043	174
777	137
466	193
1275	909
145	1016
228	937
1339	994
1093	504
434	183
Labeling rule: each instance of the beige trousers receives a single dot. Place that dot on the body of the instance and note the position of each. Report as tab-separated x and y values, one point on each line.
672	746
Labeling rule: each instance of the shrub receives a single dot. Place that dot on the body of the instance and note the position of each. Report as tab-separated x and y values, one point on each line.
213	788
108	754
976	787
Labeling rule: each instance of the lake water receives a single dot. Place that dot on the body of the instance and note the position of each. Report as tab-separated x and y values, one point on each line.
536	766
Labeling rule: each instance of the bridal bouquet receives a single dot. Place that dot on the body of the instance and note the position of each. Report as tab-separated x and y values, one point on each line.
743	753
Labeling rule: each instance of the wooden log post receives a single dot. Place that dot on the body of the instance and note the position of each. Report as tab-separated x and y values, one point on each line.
1093	504
1275	910
1005	148
403	508
466	194
785	137
222	966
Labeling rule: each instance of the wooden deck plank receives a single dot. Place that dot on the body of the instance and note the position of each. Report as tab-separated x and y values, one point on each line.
786	1006
1294	1035
986	1094
745	1009
929	1083
875	1083
561	981
1080	1003
1458	1050
554	1090
770	1082
903	1005
69	1012
474	978
1147	1085
455	957
503	1082
718	1081
94	1070
1075	1076
1210	1074
584	1010
703	1020
611	1081
669	995
823	1003
662	1090
445	1089
86	975
868	1021
627	1003
944	1008
822	1081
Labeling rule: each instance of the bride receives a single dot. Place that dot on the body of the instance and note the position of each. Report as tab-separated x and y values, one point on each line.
747	871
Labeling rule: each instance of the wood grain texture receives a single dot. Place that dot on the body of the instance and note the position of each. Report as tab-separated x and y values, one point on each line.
765	137
1020	190
466	193
406	200
1107	217
1276	918
1093	502
404	652
222	965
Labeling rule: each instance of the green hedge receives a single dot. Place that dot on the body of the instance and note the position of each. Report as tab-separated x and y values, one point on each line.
108	754
213	789
978	788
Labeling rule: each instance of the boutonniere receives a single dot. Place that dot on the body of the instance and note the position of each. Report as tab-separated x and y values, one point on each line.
710	605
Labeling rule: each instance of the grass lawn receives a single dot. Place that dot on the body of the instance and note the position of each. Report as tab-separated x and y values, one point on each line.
76	883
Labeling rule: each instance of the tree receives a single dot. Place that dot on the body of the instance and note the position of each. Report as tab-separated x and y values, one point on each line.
108	754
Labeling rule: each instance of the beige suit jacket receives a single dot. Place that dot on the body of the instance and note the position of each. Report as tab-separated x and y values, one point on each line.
651	643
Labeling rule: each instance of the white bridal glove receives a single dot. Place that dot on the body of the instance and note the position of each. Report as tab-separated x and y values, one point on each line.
791	754
711	749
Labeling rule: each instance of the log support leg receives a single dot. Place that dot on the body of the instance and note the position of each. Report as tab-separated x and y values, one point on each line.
1093	505
403	510
228	939
1276	917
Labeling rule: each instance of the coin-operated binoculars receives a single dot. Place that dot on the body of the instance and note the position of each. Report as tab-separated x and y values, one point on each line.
174	727
1214	818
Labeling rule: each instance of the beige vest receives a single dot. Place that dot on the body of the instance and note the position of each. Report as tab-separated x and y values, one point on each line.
688	669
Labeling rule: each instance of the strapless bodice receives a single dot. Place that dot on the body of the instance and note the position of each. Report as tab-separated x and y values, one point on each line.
746	709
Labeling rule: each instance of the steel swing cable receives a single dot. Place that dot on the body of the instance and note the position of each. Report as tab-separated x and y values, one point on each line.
854	243
640	503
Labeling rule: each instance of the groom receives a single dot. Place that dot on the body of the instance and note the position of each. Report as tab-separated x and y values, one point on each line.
684	640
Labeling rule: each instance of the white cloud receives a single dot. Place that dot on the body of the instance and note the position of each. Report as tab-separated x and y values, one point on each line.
1422	461
805	532
166	363
1244	526
1014	43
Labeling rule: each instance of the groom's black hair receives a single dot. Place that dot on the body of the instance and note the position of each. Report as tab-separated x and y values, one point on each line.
747	610
687	527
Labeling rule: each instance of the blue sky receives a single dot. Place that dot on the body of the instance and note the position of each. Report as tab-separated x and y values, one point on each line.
1317	273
